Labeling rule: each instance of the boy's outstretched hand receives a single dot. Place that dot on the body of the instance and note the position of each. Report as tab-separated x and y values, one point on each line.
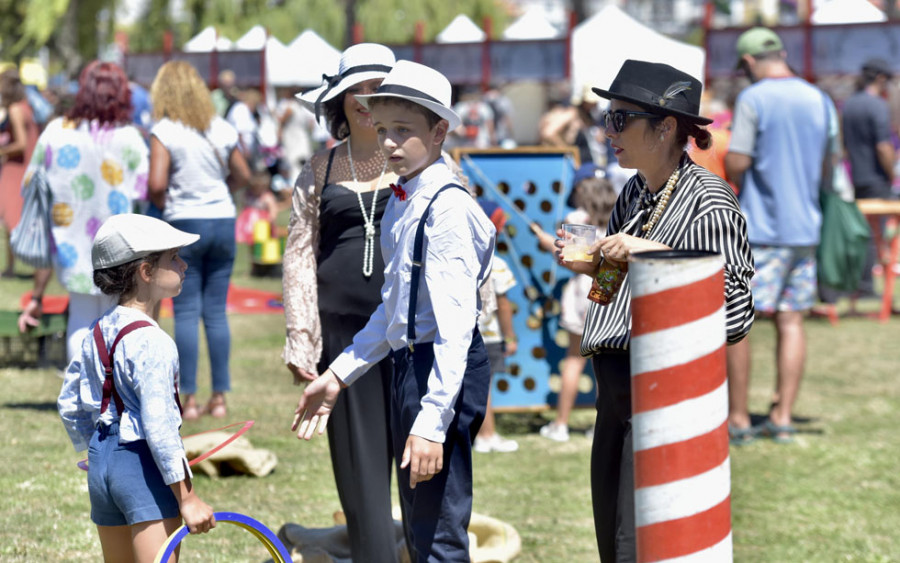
316	404
424	458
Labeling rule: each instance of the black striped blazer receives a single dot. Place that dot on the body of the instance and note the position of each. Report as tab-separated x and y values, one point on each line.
702	214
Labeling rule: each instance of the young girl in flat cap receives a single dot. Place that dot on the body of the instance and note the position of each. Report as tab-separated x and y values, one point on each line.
120	401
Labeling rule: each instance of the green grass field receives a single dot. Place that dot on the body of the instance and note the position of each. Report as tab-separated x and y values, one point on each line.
833	495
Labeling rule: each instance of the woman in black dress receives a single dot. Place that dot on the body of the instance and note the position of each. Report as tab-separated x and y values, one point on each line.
333	273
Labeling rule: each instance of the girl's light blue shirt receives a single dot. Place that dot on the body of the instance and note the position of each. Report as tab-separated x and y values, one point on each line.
145	371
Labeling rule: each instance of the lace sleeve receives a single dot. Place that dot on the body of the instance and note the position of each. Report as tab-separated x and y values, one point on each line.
303	343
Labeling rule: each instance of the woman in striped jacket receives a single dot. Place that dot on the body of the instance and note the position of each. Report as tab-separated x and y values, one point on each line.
671	203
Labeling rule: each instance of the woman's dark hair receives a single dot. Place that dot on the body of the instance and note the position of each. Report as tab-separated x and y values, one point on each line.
119	280
11	88
685	127
333	110
103	94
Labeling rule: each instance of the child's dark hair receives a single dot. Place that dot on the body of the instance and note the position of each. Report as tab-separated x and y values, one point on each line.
431	117
120	280
597	197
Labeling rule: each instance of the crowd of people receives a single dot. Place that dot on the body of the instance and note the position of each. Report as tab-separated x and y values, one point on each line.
396	305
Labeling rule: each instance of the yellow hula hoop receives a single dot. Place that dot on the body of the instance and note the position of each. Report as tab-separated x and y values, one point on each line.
276	549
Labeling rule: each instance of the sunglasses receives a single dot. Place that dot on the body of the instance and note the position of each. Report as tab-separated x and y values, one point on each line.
618	118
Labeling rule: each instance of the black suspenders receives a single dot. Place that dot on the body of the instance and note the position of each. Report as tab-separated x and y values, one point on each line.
417	268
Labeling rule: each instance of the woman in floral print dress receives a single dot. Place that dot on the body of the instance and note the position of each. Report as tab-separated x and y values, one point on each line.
96	165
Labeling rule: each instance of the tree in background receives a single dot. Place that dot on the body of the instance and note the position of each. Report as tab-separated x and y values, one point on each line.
152	25
394	21
70	28
76	30
383	21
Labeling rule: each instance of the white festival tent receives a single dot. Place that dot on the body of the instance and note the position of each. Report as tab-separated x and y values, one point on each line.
311	57
604	41
253	40
300	64
531	25
280	64
836	12
461	30
206	41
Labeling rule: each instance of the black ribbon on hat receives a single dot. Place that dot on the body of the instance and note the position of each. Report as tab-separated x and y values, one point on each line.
332	81
406	91
652	99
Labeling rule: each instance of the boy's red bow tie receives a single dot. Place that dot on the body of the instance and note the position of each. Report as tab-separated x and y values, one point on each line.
399	192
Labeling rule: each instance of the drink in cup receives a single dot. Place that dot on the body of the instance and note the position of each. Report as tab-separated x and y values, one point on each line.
578	239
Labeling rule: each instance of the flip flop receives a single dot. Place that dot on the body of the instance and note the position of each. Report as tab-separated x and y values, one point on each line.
741	436
779	434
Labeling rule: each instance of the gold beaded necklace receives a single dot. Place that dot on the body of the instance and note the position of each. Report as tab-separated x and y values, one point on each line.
662	202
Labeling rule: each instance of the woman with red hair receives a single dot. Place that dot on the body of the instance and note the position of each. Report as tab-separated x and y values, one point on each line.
96	165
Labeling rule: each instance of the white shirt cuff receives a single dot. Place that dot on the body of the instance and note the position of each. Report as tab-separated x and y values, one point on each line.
429	425
346	368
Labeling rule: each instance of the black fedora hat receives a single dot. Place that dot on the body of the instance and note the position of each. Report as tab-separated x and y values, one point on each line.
659	88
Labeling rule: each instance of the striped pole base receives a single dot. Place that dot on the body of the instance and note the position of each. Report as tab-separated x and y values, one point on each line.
680	407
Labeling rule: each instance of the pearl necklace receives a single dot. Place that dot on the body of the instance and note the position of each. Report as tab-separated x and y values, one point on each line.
368	220
662	203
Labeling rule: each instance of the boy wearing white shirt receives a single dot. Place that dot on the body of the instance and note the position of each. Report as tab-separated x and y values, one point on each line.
437	245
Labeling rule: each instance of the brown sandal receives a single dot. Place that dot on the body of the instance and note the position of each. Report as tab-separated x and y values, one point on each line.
216	409
190	412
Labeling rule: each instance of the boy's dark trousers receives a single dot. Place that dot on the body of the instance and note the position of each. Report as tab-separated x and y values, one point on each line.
436	513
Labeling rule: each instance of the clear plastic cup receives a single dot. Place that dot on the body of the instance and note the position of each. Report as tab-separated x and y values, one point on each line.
578	242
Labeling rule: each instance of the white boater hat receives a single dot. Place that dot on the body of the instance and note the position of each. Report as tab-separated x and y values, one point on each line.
359	63
421	85
126	237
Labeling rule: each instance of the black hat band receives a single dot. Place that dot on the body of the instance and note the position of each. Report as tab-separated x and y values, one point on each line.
333	81
406	91
652	99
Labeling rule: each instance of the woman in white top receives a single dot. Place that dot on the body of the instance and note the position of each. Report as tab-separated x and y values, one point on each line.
194	164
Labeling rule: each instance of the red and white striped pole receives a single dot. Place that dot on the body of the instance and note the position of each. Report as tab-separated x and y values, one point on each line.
679	390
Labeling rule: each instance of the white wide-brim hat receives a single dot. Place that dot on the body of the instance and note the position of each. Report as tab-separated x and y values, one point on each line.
126	237
421	85
359	63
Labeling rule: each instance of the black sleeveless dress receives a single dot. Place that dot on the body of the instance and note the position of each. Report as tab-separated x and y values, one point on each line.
359	427
343	290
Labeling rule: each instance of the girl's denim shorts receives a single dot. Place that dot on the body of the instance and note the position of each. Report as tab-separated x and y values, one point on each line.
124	482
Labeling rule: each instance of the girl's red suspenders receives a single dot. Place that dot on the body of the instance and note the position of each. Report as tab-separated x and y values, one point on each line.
106	358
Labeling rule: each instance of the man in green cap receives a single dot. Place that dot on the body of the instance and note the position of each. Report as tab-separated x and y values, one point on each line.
759	42
778	145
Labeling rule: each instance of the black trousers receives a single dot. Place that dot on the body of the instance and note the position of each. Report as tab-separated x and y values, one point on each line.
612	460
359	438
436	513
